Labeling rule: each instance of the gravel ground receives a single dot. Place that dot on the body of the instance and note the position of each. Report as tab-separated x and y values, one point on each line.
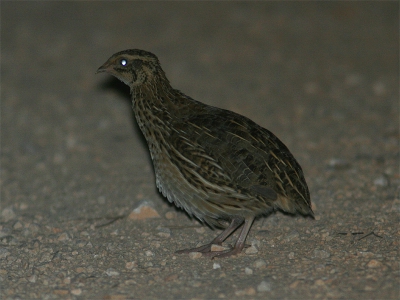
75	170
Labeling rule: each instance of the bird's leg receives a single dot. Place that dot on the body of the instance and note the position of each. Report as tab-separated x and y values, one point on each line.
239	245
235	224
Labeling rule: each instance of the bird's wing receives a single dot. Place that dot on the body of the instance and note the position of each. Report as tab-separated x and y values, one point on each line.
227	150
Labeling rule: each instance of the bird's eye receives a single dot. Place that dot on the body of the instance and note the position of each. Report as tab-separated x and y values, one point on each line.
123	62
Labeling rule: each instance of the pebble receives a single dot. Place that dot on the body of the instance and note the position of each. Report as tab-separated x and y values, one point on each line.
18	225
144	210
76	292
373	263
260	263
248	271
251	250
112	272
149	253
291	255
194	255
264	286
321	253
130	265
381	181
63	237
164	232
216	266
8	214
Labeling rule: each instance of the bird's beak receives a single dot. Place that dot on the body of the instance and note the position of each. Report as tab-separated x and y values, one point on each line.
104	68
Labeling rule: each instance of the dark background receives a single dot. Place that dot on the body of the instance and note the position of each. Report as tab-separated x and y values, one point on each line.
322	76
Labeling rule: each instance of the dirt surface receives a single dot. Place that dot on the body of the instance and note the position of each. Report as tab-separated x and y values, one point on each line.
74	166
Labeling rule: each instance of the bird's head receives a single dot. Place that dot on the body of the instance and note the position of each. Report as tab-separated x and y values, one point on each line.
133	67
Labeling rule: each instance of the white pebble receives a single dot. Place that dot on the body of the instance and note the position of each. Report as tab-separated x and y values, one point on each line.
112	272
149	253
216	266
264	286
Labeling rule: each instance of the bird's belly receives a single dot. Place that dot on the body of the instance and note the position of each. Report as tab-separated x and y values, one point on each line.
206	206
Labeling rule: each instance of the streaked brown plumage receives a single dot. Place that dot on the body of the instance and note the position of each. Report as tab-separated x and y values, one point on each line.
215	164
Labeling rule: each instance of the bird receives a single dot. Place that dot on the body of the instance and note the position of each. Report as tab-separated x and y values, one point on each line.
217	165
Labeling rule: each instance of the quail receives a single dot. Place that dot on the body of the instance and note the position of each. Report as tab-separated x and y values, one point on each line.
217	165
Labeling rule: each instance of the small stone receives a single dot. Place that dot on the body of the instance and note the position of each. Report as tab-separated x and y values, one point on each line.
264	286
260	264
216	266
112	272
373	263
149	253
248	271
18	225
217	248
164	232
32	278
130	265
321	254
319	282
76	292
251	250
144	210
381	181
63	237
195	255
291	255
8	214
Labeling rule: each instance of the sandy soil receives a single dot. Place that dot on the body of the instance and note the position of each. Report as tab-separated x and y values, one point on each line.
322	76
